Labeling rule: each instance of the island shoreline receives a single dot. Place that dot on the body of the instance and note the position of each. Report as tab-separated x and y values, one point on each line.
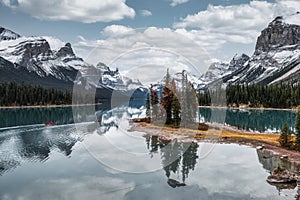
262	142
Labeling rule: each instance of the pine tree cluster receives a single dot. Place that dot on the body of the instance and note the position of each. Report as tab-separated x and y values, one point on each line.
177	106
268	96
12	94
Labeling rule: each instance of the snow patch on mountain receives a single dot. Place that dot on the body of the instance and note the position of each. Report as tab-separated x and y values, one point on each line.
114	80
6	34
36	55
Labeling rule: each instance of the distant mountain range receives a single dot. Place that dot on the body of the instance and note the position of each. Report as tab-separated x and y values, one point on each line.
31	60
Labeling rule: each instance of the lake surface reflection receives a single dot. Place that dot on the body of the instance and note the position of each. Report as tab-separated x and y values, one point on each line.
68	161
258	120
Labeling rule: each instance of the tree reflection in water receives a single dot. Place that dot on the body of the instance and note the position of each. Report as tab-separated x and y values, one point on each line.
176	157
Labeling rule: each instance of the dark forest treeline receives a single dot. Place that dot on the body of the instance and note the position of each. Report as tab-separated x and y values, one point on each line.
273	96
12	94
268	96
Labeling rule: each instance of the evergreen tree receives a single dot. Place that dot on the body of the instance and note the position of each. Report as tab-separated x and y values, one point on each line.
297	127
184	103
176	110
167	99
12	94
285	138
148	106
188	102
154	102
257	95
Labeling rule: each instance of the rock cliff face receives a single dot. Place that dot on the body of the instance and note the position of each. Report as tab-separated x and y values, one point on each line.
278	34
65	51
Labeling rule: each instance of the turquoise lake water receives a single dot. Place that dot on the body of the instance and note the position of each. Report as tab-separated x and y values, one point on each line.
103	160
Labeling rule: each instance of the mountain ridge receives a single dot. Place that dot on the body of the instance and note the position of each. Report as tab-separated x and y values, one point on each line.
276	58
61	68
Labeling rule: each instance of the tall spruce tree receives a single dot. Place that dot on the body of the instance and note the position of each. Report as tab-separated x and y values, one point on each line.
167	98
285	138
175	104
297	127
154	102
183	102
148	106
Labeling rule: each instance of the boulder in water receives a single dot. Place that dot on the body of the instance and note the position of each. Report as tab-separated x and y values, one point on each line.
173	183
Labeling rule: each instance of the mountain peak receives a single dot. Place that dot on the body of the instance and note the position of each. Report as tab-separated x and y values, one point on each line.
6	34
281	32
277	21
66	50
238	61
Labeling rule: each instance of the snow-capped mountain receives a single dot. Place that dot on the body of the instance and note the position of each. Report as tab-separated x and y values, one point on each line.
276	58
218	70
6	34
114	80
31	60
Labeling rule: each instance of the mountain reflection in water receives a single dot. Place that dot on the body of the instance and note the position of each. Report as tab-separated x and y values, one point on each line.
29	139
56	151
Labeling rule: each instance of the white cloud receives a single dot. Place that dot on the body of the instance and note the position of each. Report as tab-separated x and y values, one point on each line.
146	13
77	10
177	2
92	187
117	31
211	31
238	23
148	49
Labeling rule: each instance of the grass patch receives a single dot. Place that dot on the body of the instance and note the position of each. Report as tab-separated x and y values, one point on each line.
234	136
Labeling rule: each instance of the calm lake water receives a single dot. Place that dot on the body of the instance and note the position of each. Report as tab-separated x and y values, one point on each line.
102	160
257	120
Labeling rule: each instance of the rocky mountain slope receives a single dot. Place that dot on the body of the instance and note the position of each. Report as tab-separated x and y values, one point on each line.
276	58
6	34
31	60
218	70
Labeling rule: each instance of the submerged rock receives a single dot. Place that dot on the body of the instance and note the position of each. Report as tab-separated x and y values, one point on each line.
280	176
173	183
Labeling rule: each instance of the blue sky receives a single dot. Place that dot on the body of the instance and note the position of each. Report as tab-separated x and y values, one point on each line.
221	27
